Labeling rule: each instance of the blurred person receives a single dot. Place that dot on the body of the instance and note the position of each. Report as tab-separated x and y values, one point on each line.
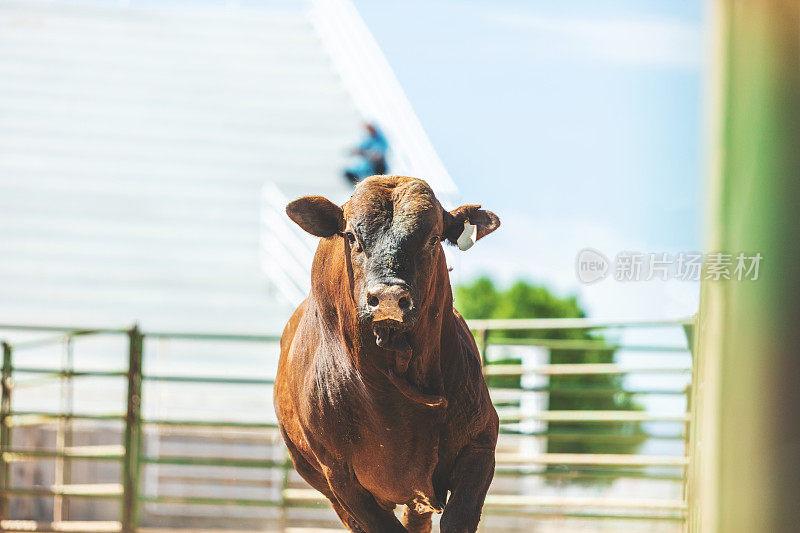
371	154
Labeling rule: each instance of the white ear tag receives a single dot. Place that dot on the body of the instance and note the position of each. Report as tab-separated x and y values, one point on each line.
468	236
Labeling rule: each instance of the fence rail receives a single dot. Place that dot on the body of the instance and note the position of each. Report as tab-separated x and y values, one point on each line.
133	457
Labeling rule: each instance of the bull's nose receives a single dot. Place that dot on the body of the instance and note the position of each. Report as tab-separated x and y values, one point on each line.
389	302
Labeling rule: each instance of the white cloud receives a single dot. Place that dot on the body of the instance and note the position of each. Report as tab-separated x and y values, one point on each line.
645	41
545	251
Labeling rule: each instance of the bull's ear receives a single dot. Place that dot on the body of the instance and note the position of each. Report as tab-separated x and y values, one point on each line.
317	215
479	223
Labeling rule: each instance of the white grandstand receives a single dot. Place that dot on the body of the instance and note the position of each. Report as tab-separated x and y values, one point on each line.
147	150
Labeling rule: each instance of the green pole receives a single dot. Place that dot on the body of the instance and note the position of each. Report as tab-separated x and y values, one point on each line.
745	472
131	470
5	428
483	346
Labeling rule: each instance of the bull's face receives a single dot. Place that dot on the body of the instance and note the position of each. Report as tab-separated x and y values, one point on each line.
392	229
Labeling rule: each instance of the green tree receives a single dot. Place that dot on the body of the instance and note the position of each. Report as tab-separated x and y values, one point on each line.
482	299
477	300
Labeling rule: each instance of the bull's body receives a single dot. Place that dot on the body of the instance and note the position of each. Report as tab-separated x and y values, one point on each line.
372	428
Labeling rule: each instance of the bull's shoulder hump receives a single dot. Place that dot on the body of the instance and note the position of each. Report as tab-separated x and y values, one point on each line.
291	325
470	404
466	337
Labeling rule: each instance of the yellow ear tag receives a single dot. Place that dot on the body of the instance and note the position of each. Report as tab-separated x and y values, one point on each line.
468	236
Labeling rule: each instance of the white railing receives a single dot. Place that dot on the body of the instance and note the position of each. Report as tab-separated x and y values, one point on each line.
286	251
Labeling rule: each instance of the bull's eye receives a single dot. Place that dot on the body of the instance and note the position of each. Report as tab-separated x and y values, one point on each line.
351	238
433	241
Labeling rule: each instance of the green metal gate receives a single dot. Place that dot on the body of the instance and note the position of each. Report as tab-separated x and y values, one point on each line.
131	453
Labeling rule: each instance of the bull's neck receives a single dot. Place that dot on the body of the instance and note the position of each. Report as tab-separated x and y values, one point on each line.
332	292
424	368
421	365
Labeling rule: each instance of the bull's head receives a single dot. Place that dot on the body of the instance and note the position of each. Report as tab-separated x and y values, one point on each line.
392	229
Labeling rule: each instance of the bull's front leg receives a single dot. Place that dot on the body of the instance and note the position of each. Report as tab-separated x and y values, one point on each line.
470	479
363	514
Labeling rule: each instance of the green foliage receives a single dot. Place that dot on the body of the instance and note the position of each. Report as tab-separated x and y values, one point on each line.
478	300
482	299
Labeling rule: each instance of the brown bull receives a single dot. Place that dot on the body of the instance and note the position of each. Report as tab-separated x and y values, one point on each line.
379	394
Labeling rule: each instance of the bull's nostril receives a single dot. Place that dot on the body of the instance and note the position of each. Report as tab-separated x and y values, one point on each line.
373	301
404	303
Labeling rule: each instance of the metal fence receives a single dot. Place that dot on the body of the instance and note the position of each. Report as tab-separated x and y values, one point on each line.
492	335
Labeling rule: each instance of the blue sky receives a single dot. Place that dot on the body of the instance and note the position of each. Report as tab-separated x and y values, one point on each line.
578	122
